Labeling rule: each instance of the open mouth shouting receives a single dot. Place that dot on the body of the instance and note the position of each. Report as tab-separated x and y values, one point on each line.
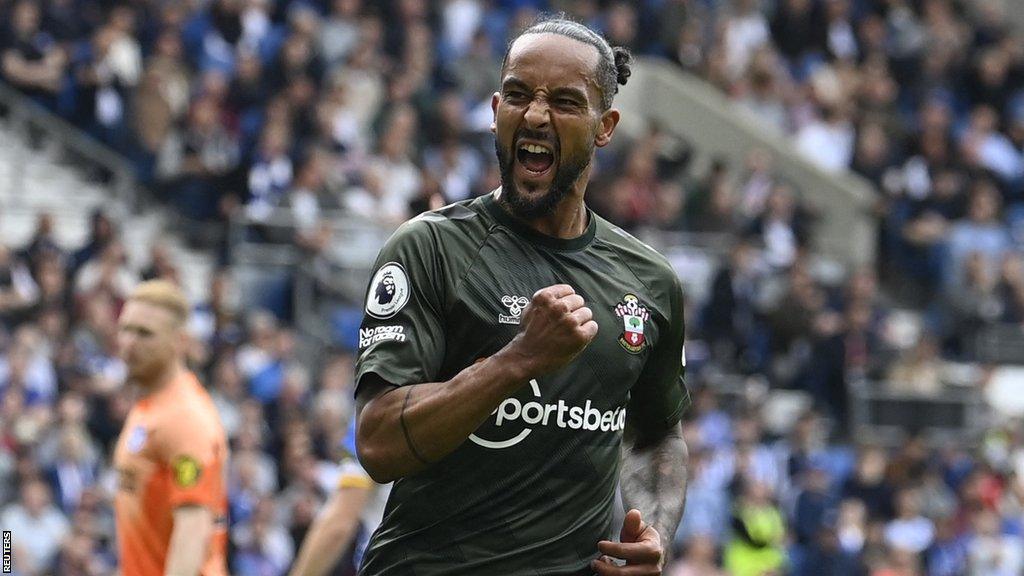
535	162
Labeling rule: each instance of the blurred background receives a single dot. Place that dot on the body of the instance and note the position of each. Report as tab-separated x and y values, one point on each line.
838	183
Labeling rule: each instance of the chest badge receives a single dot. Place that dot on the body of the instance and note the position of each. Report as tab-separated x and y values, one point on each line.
634	315
515	305
136	439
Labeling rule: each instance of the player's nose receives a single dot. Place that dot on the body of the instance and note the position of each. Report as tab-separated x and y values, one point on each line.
538	114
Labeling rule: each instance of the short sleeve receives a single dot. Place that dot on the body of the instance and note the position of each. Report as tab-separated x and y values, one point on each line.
401	337
194	458
658	399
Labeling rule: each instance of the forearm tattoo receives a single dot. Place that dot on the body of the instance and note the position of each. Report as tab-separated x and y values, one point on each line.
653	481
405	428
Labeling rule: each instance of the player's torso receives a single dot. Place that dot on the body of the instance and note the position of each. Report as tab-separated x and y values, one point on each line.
144	512
484	316
143	516
532	488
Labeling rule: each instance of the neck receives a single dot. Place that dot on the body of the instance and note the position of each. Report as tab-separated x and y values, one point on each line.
567	221
162	380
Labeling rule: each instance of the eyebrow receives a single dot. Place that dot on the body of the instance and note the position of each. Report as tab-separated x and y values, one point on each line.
569	91
135	328
513	82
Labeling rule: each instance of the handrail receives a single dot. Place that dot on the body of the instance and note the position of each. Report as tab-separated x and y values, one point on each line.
875	411
24	112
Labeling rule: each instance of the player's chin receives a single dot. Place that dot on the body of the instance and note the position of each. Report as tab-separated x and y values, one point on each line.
135	370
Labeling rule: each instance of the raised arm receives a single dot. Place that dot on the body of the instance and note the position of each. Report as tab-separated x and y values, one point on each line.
403	429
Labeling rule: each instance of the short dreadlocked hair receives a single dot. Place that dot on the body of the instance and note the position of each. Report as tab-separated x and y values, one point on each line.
614	63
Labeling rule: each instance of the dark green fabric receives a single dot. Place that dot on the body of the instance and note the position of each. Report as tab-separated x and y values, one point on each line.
533	493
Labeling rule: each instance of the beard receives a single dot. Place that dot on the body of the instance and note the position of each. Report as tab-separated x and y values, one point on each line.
567	173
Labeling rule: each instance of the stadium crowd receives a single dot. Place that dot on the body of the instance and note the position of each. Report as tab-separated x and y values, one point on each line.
381	110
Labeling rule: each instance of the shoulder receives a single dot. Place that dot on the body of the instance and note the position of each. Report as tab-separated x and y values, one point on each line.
440	242
450	222
191	416
646	263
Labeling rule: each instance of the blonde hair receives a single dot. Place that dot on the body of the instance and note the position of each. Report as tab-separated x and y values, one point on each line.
164	294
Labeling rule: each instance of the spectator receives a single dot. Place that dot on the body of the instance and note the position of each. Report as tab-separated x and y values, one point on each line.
101	232
909	530
970	305
851	526
729	319
391	179
813	506
25	369
257	360
160	101
37	528
698	559
161	264
829	141
30	57
745	30
707	503
476	70
899	562
197	167
756	547
980	232
948	555
1010	288
781	228
264	547
43	244
827	556
339	33
456	167
109	272
18	291
991	552
918	371
270	174
868	484
74	471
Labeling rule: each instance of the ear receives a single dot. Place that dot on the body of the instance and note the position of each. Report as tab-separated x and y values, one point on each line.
609	120
494	109
184	339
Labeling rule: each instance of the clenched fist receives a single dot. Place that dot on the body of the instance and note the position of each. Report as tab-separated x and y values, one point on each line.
556	326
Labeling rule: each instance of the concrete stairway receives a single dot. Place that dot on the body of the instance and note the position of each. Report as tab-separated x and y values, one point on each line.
33	181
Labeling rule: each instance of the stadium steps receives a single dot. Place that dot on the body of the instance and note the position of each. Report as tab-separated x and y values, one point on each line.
35	180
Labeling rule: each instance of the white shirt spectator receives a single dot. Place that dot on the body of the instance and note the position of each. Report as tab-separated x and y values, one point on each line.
827	144
37	536
40	378
744	33
997	555
461	20
912	534
270	541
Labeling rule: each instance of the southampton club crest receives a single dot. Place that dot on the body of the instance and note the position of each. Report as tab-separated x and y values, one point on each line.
634	315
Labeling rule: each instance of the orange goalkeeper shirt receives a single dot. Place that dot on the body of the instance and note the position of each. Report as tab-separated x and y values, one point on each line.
172	452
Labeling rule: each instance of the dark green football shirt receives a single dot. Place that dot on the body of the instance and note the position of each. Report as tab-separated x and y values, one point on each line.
531	491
